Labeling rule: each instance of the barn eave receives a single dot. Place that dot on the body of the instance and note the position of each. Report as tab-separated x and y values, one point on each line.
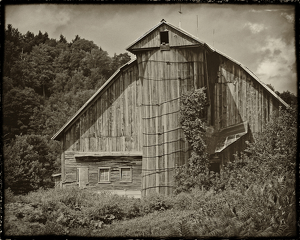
131	48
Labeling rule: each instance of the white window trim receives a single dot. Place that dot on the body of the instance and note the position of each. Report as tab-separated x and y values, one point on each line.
109	172
120	169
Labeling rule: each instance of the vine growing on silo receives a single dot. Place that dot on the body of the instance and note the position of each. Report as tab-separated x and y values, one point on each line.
195	172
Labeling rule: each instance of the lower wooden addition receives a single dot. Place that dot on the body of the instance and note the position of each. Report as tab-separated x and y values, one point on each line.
113	163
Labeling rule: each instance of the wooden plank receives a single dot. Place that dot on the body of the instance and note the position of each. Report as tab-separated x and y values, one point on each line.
118	114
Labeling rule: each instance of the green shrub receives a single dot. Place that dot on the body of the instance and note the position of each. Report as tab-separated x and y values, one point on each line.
9	196
183	201
156	202
29	162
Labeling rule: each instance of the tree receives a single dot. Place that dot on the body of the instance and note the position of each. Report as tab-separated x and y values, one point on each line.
85	45
40	73
29	163
76	38
97	62
271	87
62	39
288	97
18	107
271	157
12	49
119	60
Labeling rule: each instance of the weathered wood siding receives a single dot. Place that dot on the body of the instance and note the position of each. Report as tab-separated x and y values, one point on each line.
115	163
237	97
165	76
112	122
176	38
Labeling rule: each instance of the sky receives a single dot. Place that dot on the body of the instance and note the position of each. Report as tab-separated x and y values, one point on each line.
261	37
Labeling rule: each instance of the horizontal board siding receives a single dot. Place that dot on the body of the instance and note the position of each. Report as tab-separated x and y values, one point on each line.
72	163
110	122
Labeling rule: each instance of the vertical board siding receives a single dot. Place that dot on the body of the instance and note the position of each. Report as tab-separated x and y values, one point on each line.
166	75
110	123
238	97
176	38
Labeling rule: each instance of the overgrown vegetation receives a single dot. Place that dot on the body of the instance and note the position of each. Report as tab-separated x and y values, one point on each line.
195	172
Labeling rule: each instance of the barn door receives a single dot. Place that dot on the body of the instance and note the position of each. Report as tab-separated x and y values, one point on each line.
82	176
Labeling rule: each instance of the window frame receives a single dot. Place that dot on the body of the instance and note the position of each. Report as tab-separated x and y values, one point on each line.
109	173
164	37
130	170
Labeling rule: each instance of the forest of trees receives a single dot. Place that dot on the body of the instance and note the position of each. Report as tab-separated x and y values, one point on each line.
45	81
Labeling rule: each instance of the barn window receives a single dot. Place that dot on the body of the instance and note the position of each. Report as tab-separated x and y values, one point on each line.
164	37
126	174
104	174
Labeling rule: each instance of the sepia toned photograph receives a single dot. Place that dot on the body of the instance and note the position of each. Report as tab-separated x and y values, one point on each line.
149	120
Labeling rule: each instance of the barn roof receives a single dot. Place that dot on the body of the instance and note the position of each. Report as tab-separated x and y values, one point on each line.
58	134
163	22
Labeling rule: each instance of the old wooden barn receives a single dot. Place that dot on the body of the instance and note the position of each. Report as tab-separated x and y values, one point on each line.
127	136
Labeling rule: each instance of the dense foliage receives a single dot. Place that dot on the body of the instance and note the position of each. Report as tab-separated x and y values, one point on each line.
29	163
195	171
260	184
45	81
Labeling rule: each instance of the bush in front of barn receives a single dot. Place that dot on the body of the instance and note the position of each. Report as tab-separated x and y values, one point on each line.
29	162
156	202
70	208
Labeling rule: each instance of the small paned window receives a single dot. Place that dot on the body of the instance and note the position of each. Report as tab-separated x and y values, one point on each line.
104	175
126	174
164	37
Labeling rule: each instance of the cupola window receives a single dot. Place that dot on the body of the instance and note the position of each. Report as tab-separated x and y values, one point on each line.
164	37
164	40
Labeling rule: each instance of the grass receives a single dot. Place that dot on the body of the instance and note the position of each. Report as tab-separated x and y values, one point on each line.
75	212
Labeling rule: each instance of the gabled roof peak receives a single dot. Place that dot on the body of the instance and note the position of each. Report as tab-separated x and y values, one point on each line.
163	20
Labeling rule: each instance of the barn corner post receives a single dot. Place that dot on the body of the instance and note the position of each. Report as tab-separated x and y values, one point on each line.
62	157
